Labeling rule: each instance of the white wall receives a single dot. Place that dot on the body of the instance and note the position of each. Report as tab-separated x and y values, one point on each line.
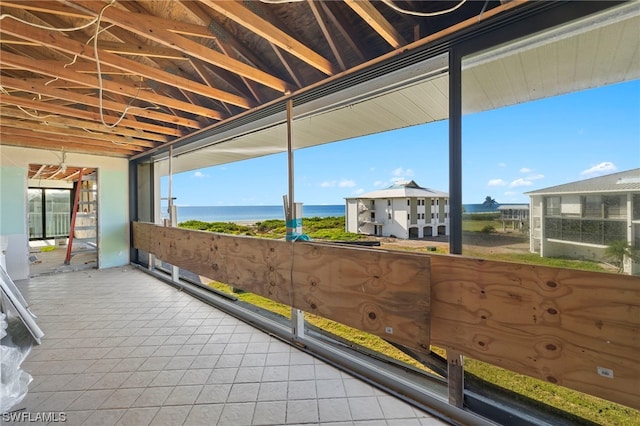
113	204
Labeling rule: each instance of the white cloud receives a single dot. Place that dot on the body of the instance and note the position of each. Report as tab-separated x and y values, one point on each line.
520	182
496	182
343	183
401	172
358	191
199	175
346	183
604	167
378	183
525	170
502	164
535	177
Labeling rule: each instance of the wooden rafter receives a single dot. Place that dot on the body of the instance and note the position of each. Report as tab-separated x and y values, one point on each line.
145	27
48	128
327	34
267	30
56	41
374	18
30	138
62	121
42	89
90	81
77	113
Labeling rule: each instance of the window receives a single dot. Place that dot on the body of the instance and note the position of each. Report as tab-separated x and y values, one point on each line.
373	216
636	207
389	216
49	213
408	216
615	206
433	215
408	202
552	206
388	203
592	206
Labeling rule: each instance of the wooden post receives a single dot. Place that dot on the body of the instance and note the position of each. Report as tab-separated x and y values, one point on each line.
455	376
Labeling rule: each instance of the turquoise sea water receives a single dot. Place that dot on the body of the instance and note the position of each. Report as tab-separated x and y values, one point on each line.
258	213
251	213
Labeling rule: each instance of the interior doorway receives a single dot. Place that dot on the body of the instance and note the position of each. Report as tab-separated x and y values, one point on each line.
54	193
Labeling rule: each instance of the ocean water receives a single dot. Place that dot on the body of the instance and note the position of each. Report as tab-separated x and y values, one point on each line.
251	213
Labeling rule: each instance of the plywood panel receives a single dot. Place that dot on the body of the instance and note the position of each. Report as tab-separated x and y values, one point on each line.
573	328
380	292
577	329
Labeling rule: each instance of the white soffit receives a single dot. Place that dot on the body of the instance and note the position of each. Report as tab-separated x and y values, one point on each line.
592	52
588	53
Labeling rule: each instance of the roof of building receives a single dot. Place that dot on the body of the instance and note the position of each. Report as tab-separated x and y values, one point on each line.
616	182
513	207
404	190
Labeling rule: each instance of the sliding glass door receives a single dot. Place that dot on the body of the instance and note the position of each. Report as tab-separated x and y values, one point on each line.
49	213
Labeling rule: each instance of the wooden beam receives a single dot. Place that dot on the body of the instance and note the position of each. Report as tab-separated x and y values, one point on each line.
371	16
86	115
41	89
52	128
45	68
37	143
383	293
240	14
327	34
28	139
84	124
59	42
141	49
145	26
71	10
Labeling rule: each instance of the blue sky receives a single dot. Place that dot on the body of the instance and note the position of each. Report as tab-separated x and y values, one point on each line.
506	152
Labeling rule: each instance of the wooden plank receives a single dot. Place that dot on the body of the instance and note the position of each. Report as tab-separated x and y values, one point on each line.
153	29
243	16
577	329
81	114
40	88
45	68
380	292
566	327
58	42
371	16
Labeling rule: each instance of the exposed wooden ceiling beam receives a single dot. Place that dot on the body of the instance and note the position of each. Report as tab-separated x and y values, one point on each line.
140	49
243	16
30	139
46	128
327	34
59	42
374	18
41	89
61	8
62	121
91	81
86	115
147	27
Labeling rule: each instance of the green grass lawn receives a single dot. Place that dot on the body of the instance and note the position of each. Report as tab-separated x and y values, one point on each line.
585	406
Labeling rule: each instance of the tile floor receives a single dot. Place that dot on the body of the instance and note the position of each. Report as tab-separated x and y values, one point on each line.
123	348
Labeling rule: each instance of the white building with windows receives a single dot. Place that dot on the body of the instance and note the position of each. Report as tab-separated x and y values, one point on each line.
580	219
404	210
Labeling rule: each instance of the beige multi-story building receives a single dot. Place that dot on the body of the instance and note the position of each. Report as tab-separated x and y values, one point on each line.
580	219
403	210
